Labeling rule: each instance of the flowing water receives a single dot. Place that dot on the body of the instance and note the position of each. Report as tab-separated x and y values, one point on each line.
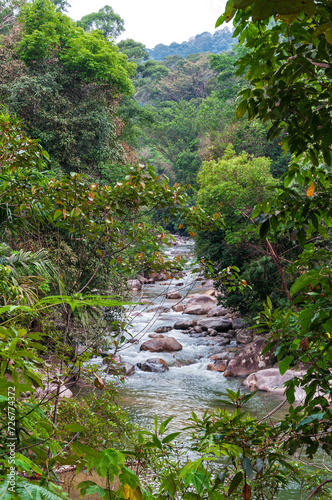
188	385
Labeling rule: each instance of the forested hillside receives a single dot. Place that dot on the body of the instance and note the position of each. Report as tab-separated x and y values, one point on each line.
106	149
220	41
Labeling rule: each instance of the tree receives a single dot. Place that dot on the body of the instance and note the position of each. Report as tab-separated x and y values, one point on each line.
105	20
8	14
66	85
135	51
290	76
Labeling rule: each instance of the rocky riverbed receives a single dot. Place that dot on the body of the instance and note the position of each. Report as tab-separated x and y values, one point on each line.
185	349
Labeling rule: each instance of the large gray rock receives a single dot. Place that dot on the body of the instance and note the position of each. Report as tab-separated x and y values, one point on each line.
239	324
196	309
167	344
220	324
244	336
156	365
183	324
271	380
250	360
134	284
217	311
200	304
50	392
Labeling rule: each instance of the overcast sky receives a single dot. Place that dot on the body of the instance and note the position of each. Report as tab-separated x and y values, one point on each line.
152	21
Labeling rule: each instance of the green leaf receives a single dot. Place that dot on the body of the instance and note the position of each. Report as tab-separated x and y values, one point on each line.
75	428
248	468
164	424
170	437
311	418
241	109
235	482
264	229
284	364
302	281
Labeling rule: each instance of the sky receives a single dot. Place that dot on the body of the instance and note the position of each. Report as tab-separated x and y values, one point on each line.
151	21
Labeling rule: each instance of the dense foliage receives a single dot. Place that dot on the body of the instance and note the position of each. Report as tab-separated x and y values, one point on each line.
79	220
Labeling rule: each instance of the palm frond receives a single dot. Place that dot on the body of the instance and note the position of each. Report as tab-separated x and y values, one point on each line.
24	261
28	287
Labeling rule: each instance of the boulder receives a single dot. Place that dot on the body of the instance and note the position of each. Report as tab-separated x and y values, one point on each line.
173	295
195	309
211	292
198	329
155	336
270	380
134	284
177	307
217	311
156	365
227	335
50	391
223	342
249	360
179	284
183	324
200	304
244	336
163	329
158	276
238	324
220	355
166	344
219	324
159	310
218	366
146	302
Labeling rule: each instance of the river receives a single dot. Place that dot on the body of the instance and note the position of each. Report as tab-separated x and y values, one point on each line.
188	385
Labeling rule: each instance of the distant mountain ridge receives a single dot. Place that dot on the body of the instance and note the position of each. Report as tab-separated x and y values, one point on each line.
220	41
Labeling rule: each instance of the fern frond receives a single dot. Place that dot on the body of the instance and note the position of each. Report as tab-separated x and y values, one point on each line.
26	490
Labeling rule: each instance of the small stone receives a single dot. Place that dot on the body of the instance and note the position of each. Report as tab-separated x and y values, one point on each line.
177	307
163	329
159	310
183	325
173	295
156	336
223	342
219	356
198	329
218	366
